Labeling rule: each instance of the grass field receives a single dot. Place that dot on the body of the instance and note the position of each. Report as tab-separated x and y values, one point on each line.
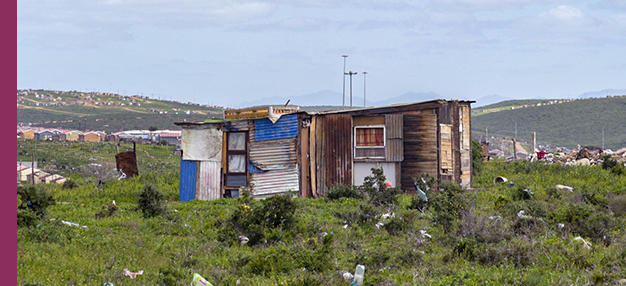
477	237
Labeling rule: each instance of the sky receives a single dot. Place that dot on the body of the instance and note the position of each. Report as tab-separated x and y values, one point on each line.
225	52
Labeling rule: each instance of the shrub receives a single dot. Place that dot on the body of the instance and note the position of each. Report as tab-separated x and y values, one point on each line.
151	202
69	184
365	215
477	157
35	200
447	204
377	190
583	220
107	211
255	219
613	165
344	191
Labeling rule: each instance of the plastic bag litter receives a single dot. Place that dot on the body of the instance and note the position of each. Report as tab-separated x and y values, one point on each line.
199	281
500	179
130	274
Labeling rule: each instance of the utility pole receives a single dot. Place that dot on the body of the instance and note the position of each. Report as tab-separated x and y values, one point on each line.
351	73
344	79
364	85
602	137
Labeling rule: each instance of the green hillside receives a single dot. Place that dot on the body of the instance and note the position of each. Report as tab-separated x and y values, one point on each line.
563	124
104	111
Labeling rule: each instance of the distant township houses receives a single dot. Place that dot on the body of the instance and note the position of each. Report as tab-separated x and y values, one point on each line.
140	136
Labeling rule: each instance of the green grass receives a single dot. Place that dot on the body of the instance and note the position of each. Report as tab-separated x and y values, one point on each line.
476	251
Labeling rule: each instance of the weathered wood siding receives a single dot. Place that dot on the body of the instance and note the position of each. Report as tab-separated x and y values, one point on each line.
394	149
446	162
420	147
466	145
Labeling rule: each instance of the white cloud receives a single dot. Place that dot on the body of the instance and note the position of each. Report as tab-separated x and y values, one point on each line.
565	12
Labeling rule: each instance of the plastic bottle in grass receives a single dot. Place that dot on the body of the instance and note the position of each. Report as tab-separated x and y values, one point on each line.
358	275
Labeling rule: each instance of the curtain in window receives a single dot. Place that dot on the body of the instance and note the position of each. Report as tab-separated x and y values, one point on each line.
368	137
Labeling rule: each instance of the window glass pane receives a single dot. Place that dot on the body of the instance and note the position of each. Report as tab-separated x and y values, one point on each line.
237	141
236	163
368	137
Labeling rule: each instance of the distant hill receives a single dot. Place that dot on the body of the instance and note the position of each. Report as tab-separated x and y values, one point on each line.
564	124
489	99
104	111
602	93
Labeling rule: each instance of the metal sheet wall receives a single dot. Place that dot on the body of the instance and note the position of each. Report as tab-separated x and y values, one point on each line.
275	159
202	144
394	151
187	185
420	147
271	154
285	127
337	150
208	186
275	182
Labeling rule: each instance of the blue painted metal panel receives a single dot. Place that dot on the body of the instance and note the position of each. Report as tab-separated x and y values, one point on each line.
187	186
285	127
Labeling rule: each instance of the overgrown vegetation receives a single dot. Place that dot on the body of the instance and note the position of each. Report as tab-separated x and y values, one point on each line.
500	234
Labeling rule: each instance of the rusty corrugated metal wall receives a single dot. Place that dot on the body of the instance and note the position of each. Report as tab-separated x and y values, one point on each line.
335	156
394	150
208	186
420	147
274	156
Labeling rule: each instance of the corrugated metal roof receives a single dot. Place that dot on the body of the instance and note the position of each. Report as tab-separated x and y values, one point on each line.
285	127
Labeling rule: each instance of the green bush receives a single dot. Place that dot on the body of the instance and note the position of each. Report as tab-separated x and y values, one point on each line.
477	157
378	192
258	220
151	202
613	165
344	191
447	204
32	205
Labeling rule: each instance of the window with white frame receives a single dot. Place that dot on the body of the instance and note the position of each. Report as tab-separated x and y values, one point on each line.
369	142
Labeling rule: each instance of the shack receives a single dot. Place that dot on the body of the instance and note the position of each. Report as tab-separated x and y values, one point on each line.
272	150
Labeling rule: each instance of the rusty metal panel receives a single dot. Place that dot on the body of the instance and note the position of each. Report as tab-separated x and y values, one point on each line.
275	182
187	184
202	144
208	186
420	147
321	156
337	138
394	149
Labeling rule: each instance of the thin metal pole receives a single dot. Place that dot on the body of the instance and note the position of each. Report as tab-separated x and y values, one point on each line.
344	79
351	73
364	86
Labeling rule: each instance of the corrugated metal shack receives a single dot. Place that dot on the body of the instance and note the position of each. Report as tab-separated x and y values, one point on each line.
273	150
251	148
